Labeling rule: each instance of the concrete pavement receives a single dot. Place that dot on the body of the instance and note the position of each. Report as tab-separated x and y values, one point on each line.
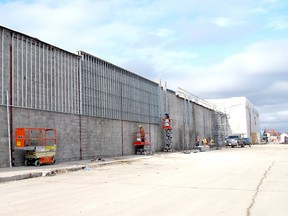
25	172
239	181
19	173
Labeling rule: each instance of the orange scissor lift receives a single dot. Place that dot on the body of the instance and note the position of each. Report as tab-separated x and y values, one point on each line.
39	145
142	147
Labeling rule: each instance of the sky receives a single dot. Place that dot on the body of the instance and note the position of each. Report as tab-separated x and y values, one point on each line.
213	49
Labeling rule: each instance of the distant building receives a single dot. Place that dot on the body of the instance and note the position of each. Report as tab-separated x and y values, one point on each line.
243	117
284	138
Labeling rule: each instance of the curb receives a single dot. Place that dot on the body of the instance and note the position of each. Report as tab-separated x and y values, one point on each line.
57	171
20	177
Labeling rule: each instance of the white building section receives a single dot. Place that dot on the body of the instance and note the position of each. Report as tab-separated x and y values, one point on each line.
243	117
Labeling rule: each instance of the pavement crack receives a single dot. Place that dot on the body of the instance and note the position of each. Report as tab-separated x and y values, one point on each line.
258	189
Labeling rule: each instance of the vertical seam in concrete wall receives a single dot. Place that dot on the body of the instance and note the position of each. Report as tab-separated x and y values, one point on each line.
22	72
204	122
80	106
122	127
2	64
149	117
10	105
194	121
26	72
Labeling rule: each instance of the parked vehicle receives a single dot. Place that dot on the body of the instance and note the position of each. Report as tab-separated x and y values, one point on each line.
234	140
247	141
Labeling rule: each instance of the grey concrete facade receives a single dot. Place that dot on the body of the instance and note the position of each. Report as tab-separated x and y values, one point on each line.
94	105
190	120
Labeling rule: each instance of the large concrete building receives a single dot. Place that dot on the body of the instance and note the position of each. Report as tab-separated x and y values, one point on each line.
243	117
95	106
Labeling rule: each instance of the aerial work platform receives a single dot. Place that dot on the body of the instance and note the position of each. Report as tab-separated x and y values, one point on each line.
39	145
142	146
167	127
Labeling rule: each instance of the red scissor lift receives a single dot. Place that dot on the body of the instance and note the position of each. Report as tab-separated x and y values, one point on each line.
39	145
140	146
167	127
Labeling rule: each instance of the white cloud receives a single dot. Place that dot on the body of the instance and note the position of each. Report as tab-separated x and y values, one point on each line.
258	10
283	113
254	73
274	116
279	87
260	58
165	60
222	21
164	32
278	23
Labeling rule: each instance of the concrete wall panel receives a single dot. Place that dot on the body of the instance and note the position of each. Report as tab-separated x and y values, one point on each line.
67	126
4	141
4	64
189	120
